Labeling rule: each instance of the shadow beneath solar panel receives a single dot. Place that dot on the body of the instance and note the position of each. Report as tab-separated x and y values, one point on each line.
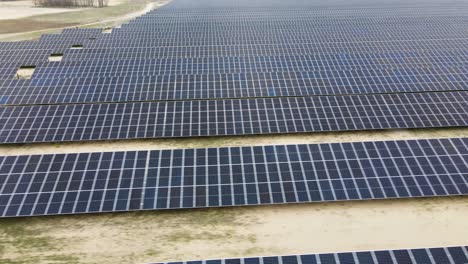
76	46
228	141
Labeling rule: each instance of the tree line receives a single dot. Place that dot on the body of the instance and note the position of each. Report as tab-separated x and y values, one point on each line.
71	3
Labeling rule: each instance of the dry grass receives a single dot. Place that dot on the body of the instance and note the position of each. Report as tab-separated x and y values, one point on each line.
204	142
137	237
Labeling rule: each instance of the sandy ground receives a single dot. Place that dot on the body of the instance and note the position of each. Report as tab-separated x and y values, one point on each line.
24	73
21	9
139	237
203	142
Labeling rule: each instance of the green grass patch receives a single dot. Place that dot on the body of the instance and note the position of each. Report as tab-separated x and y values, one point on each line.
25	240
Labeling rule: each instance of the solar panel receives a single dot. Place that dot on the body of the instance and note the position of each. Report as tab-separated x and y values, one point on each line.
358	49
445	255
241	85
49	123
279	56
365	67
258	64
235	176
292	49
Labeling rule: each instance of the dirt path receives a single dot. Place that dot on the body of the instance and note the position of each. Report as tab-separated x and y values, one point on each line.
140	237
203	142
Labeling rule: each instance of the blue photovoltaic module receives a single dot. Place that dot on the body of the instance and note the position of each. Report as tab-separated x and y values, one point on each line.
235	176
442	255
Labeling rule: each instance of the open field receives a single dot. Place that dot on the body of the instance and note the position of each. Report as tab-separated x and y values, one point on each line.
21	9
26	8
33	27
137	237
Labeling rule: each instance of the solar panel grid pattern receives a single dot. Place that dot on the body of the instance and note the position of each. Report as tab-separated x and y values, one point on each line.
371	12
184	87
241	30
261	50
250	30
49	123
292	49
32	45
406	78
378	17
446	255
164	179
446	72
23	57
254	40
144	66
207	5
8	72
77	31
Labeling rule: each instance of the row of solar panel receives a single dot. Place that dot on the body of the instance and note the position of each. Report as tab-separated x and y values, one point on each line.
250	30
276	49
457	55
355	26
57	42
323	21
245	41
273	71
316	61
161	179
261	50
319	14
339	6
436	54
48	123
190	87
296	4
291	12
448	255
251	20
67	34
233	61
260	39
363	77
345	61
347	73
244	30
421	43
33	45
312	25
